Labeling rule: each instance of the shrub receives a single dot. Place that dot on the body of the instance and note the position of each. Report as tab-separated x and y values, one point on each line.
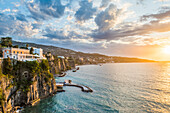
7	66
44	65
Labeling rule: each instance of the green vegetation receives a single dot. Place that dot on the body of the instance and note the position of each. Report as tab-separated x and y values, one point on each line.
27	45
16	46
23	48
2	96
44	65
6	42
1	52
31	50
68	67
33	66
35	69
7	67
2	99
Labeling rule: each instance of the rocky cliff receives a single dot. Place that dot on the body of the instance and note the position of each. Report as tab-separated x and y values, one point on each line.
59	65
27	83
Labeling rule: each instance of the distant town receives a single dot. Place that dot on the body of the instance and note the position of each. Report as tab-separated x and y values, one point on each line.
30	52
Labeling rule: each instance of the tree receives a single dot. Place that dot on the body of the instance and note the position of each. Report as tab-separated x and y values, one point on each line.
27	45
6	41
1	52
45	65
7	66
16	46
31	50
33	66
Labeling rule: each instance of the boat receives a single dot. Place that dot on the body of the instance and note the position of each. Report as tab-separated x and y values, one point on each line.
77	68
74	70
62	75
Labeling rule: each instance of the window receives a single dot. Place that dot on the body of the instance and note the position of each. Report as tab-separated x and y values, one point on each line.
7	55
17	52
28	56
21	52
14	52
7	52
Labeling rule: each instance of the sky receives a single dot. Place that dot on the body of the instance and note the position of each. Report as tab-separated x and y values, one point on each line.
132	28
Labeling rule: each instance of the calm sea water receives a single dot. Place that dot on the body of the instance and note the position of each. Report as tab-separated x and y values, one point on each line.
118	88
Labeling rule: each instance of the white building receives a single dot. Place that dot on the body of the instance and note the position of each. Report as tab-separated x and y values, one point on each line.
21	54
37	51
61	57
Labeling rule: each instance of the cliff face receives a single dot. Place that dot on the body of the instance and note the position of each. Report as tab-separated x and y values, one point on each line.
58	65
5	92
32	81
24	83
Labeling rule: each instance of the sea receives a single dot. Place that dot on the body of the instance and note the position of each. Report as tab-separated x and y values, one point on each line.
117	88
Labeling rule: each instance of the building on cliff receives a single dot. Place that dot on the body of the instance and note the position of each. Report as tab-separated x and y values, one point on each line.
23	54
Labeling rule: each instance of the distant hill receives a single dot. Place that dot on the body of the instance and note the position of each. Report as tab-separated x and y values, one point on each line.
130	60
58	51
67	52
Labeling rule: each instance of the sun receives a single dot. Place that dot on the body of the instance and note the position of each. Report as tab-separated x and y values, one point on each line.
166	49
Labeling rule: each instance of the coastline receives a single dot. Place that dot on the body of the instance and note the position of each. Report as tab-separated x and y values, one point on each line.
55	76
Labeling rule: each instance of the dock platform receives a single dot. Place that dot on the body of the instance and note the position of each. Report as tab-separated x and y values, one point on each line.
83	87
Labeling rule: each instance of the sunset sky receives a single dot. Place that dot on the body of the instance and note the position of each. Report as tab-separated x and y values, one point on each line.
133	28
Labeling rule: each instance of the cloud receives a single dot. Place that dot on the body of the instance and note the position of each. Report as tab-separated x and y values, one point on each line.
37	25
16	25
45	9
105	3
21	17
163	0
6	10
109	18
86	11
156	16
107	22
54	33
132	30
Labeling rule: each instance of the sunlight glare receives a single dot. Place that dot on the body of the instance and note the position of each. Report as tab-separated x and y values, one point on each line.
166	49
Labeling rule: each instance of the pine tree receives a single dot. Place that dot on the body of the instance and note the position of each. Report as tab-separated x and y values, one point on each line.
27	45
31	51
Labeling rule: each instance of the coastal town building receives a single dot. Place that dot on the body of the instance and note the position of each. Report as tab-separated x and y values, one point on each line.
61	57
22	54
37	51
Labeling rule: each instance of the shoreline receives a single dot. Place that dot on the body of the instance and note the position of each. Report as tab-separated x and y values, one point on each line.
76	85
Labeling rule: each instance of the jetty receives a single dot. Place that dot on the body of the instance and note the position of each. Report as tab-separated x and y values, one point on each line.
68	83
83	88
